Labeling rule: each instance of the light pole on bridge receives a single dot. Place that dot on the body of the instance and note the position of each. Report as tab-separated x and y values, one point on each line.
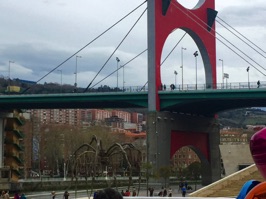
76	72
175	77
124	78
195	55
222	72
117	60
182	66
61	79
9	78
248	77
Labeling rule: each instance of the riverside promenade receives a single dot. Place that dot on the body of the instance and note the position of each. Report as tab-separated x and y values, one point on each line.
82	194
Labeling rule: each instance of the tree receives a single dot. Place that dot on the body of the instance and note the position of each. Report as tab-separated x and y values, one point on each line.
193	171
146	167
165	172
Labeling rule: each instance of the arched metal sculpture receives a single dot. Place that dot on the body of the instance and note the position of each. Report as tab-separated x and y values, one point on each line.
92	159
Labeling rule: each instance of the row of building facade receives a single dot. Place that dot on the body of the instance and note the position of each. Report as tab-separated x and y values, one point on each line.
21	147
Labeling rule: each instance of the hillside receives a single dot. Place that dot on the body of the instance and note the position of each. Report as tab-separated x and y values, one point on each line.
239	118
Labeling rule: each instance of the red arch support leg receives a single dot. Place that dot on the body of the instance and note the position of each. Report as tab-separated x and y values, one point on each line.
164	18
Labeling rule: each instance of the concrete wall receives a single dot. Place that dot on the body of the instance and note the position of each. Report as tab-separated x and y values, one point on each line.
234	155
160	126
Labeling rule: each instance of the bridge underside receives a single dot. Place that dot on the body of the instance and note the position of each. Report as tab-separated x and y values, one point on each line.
168	132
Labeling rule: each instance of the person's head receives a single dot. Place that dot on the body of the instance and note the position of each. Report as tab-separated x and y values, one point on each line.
108	193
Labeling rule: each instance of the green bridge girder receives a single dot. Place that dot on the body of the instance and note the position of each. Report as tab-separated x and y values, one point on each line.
201	102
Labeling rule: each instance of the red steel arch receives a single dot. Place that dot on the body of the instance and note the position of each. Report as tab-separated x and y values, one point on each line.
198	140
194	22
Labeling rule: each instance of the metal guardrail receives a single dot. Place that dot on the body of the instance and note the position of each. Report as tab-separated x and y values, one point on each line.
186	87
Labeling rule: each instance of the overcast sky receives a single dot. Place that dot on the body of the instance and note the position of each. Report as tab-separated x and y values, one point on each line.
38	35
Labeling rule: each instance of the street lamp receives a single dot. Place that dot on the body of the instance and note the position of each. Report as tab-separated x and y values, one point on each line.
175	77
248	77
117	60
195	55
76	72
9	80
64	171
182	66
222	72
61	79
124	78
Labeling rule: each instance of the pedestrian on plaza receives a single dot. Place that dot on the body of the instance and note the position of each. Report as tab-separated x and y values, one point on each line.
53	195
134	193
181	184
23	196
122	193
164	192
66	195
170	192
184	191
127	193
164	87
108	193
7	194
16	196
151	190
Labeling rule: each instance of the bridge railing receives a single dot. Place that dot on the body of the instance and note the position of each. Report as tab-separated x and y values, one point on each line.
163	87
194	87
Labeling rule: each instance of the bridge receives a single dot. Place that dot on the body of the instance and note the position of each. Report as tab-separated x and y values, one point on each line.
201	102
192	109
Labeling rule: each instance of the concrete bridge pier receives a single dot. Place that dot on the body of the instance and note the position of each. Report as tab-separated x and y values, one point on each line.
168	132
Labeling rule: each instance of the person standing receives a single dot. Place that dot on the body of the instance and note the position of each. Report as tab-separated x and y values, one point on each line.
16	196
134	193
258	83
127	193
170	192
53	194
164	192
151	189
184	191
66	194
23	196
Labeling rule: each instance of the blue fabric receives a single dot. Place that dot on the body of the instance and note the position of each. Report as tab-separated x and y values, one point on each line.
246	188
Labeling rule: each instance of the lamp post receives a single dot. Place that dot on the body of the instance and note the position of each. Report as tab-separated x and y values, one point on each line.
61	79
248	77
222	72
182	66
76	72
9	80
123	78
195	55
117	61
226	76
175	77
64	171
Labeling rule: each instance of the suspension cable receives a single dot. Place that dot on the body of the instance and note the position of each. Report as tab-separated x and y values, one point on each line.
241	39
115	49
222	41
241	35
166	57
121	19
118	68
